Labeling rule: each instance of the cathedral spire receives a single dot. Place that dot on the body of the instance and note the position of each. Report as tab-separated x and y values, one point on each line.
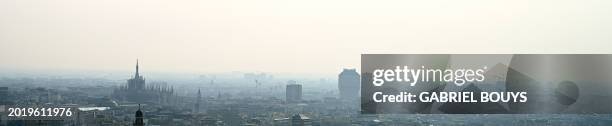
197	105
137	74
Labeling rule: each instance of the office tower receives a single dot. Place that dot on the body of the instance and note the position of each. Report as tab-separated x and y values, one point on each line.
349	84
293	92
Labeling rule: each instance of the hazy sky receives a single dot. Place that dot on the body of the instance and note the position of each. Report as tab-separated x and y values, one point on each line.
301	36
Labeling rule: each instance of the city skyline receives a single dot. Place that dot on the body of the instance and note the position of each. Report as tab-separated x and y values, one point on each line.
316	37
305	63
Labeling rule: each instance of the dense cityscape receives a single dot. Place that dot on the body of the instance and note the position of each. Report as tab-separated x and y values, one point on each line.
251	99
305	63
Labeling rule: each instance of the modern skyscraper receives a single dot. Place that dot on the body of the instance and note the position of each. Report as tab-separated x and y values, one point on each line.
349	84
293	92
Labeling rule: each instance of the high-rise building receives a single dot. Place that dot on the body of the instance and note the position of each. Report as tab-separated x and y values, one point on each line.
293	92
349	84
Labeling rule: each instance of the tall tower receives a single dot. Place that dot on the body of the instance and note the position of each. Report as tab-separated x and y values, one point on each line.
293	92
349	84
197	105
139	118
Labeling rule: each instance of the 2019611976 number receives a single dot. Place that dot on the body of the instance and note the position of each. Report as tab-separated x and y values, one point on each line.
40	112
